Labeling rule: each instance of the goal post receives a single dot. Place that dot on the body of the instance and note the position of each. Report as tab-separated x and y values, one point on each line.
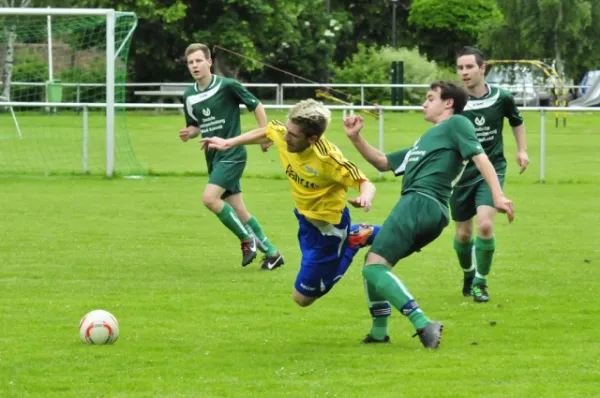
77	33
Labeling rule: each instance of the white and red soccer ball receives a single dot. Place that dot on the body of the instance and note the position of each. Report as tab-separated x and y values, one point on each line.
99	327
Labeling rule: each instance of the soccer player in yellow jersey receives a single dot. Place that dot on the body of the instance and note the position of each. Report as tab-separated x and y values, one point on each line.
319	178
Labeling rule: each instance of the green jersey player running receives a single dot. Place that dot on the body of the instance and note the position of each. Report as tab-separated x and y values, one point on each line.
430	168
486	109
212	108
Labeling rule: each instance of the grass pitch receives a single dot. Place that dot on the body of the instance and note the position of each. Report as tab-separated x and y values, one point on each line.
196	324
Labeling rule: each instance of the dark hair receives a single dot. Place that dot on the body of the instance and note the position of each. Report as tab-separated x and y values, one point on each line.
452	90
310	127
468	50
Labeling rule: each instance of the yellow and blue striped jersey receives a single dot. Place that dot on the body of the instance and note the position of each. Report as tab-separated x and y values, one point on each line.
319	177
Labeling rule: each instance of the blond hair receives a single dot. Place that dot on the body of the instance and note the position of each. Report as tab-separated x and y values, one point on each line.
192	48
312	116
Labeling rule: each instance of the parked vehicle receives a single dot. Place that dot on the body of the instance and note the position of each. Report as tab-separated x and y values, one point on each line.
529	85
588	81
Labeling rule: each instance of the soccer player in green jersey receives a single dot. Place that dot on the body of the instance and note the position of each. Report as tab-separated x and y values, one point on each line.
212	108
487	108
430	168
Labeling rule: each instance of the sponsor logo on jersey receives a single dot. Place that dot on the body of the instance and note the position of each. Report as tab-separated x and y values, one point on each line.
292	175
311	170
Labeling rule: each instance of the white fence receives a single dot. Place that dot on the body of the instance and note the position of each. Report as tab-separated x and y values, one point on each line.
167	88
379	109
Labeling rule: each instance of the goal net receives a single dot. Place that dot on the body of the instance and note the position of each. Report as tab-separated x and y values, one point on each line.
61	66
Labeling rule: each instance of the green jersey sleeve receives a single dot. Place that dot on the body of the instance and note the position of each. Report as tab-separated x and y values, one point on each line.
190	120
465	138
397	162
511	112
243	96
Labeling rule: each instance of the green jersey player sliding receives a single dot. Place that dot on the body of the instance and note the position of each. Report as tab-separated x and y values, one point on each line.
430	168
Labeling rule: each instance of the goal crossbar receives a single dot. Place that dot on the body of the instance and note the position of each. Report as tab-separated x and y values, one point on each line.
55	11
111	54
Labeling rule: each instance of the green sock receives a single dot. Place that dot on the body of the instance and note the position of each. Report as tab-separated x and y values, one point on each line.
228	217
484	253
418	319
253	226
464	252
390	288
380	310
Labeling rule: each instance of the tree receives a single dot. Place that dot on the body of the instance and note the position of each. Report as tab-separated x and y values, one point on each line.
492	37
555	31
588	42
10	35
443	27
561	23
293	36
372	65
371	25
164	22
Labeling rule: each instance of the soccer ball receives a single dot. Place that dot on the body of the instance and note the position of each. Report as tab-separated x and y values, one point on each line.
99	327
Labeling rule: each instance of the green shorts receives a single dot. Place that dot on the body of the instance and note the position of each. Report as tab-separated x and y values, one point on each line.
227	175
413	223
465	200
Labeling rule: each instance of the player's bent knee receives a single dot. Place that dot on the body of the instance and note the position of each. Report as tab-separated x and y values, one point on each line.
302	300
211	202
370	258
485	228
212	206
374	258
464	236
464	232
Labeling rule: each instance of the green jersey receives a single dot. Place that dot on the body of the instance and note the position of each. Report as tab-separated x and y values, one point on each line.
216	111
487	114
435	162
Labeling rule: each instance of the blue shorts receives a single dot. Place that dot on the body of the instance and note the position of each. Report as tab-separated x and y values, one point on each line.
321	254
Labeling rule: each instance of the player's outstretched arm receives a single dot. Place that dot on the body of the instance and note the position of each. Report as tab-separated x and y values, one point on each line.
258	136
261	118
501	202
522	157
367	194
352	125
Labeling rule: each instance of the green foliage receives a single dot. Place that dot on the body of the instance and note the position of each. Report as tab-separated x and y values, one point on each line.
583	54
372	65
365	66
29	67
371	25
560	31
93	72
300	39
161	36
297	37
309	39
442	27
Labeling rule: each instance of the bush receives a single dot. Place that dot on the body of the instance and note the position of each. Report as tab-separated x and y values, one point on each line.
29	67
94	72
371	65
